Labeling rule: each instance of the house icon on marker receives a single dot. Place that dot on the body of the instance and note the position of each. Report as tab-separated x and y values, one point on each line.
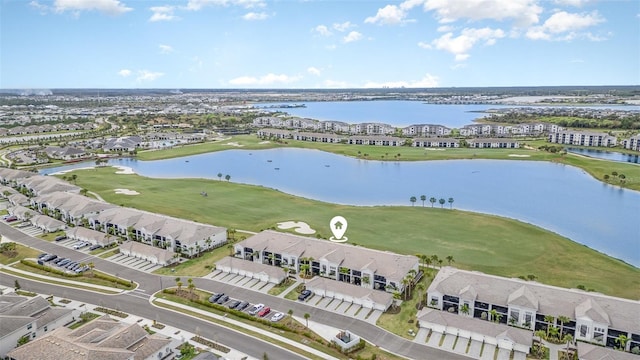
338	225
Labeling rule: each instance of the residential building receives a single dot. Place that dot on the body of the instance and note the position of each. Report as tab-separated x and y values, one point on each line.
122	144
21	316
371	129
254	270
592	317
43	184
486	143
102	338
360	266
149	253
582	138
476	130
318	137
632	143
426	130
436	142
376	140
274	133
91	236
64	153
69	207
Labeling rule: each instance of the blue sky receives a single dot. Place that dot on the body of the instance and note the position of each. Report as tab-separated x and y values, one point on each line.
317	44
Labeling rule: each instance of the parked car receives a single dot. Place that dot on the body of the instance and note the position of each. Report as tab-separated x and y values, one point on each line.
277	317
70	265
215	297
304	295
49	257
95	247
11	218
233	304
243	305
42	255
255	309
264	312
81	269
23	225
63	262
80	245
60	238
223	299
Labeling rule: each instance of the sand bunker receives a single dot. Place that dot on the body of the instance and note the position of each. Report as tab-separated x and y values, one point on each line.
519	155
430	149
126	192
234	144
70	170
300	227
264	142
124	170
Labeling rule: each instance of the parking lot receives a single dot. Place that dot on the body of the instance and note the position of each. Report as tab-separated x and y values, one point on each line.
241	281
134	263
326	303
258	310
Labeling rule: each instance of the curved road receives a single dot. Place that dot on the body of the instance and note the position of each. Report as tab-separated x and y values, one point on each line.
136	302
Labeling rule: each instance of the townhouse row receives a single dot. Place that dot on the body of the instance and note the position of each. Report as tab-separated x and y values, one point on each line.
60	201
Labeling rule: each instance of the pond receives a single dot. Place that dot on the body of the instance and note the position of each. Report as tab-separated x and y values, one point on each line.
606	155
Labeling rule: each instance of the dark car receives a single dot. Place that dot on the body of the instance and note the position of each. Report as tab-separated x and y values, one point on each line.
243	305
42	255
11	218
49	257
95	247
304	295
60	238
215	297
233	304
63	262
223	299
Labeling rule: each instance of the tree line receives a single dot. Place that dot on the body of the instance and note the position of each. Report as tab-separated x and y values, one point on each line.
432	200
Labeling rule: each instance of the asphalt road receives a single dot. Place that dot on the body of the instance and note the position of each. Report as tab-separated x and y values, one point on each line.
136	302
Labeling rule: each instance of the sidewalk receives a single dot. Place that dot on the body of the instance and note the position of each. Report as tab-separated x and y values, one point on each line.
253	328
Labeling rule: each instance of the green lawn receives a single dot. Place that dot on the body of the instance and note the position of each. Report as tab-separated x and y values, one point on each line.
199	266
480	242
21	252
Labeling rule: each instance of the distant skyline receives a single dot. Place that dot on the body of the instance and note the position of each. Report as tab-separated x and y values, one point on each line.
318	44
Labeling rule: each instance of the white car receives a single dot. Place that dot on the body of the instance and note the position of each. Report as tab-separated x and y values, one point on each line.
277	317
256	309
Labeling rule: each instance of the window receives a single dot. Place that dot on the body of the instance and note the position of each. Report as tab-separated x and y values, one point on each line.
584	330
514	316
45	328
527	318
29	326
598	334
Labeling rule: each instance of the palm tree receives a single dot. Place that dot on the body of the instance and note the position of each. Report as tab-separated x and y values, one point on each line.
178	283
450	259
423	198
74	177
493	315
306	317
568	339
450	203
441	201
191	285
220	176
562	320
464	309
227	177
432	201
413	200
421	291
550	320
91	266
622	340
290	312
554	332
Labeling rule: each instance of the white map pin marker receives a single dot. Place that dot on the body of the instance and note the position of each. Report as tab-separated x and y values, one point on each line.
338	227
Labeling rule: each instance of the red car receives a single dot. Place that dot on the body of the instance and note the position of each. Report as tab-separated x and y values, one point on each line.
264	312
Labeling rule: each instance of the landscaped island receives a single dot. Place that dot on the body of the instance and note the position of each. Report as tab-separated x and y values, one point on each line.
474	241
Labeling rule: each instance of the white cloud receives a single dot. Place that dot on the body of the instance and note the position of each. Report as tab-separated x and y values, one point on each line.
426	82
445	28
343	27
145	75
523	12
576	3
165	49
351	37
461	44
252	16
563	26
42	8
313	71
111	7
322	30
247	4
124	72
162	13
388	15
269	79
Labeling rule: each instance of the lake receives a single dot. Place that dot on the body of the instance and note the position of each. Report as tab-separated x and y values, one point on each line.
402	113
557	197
606	155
